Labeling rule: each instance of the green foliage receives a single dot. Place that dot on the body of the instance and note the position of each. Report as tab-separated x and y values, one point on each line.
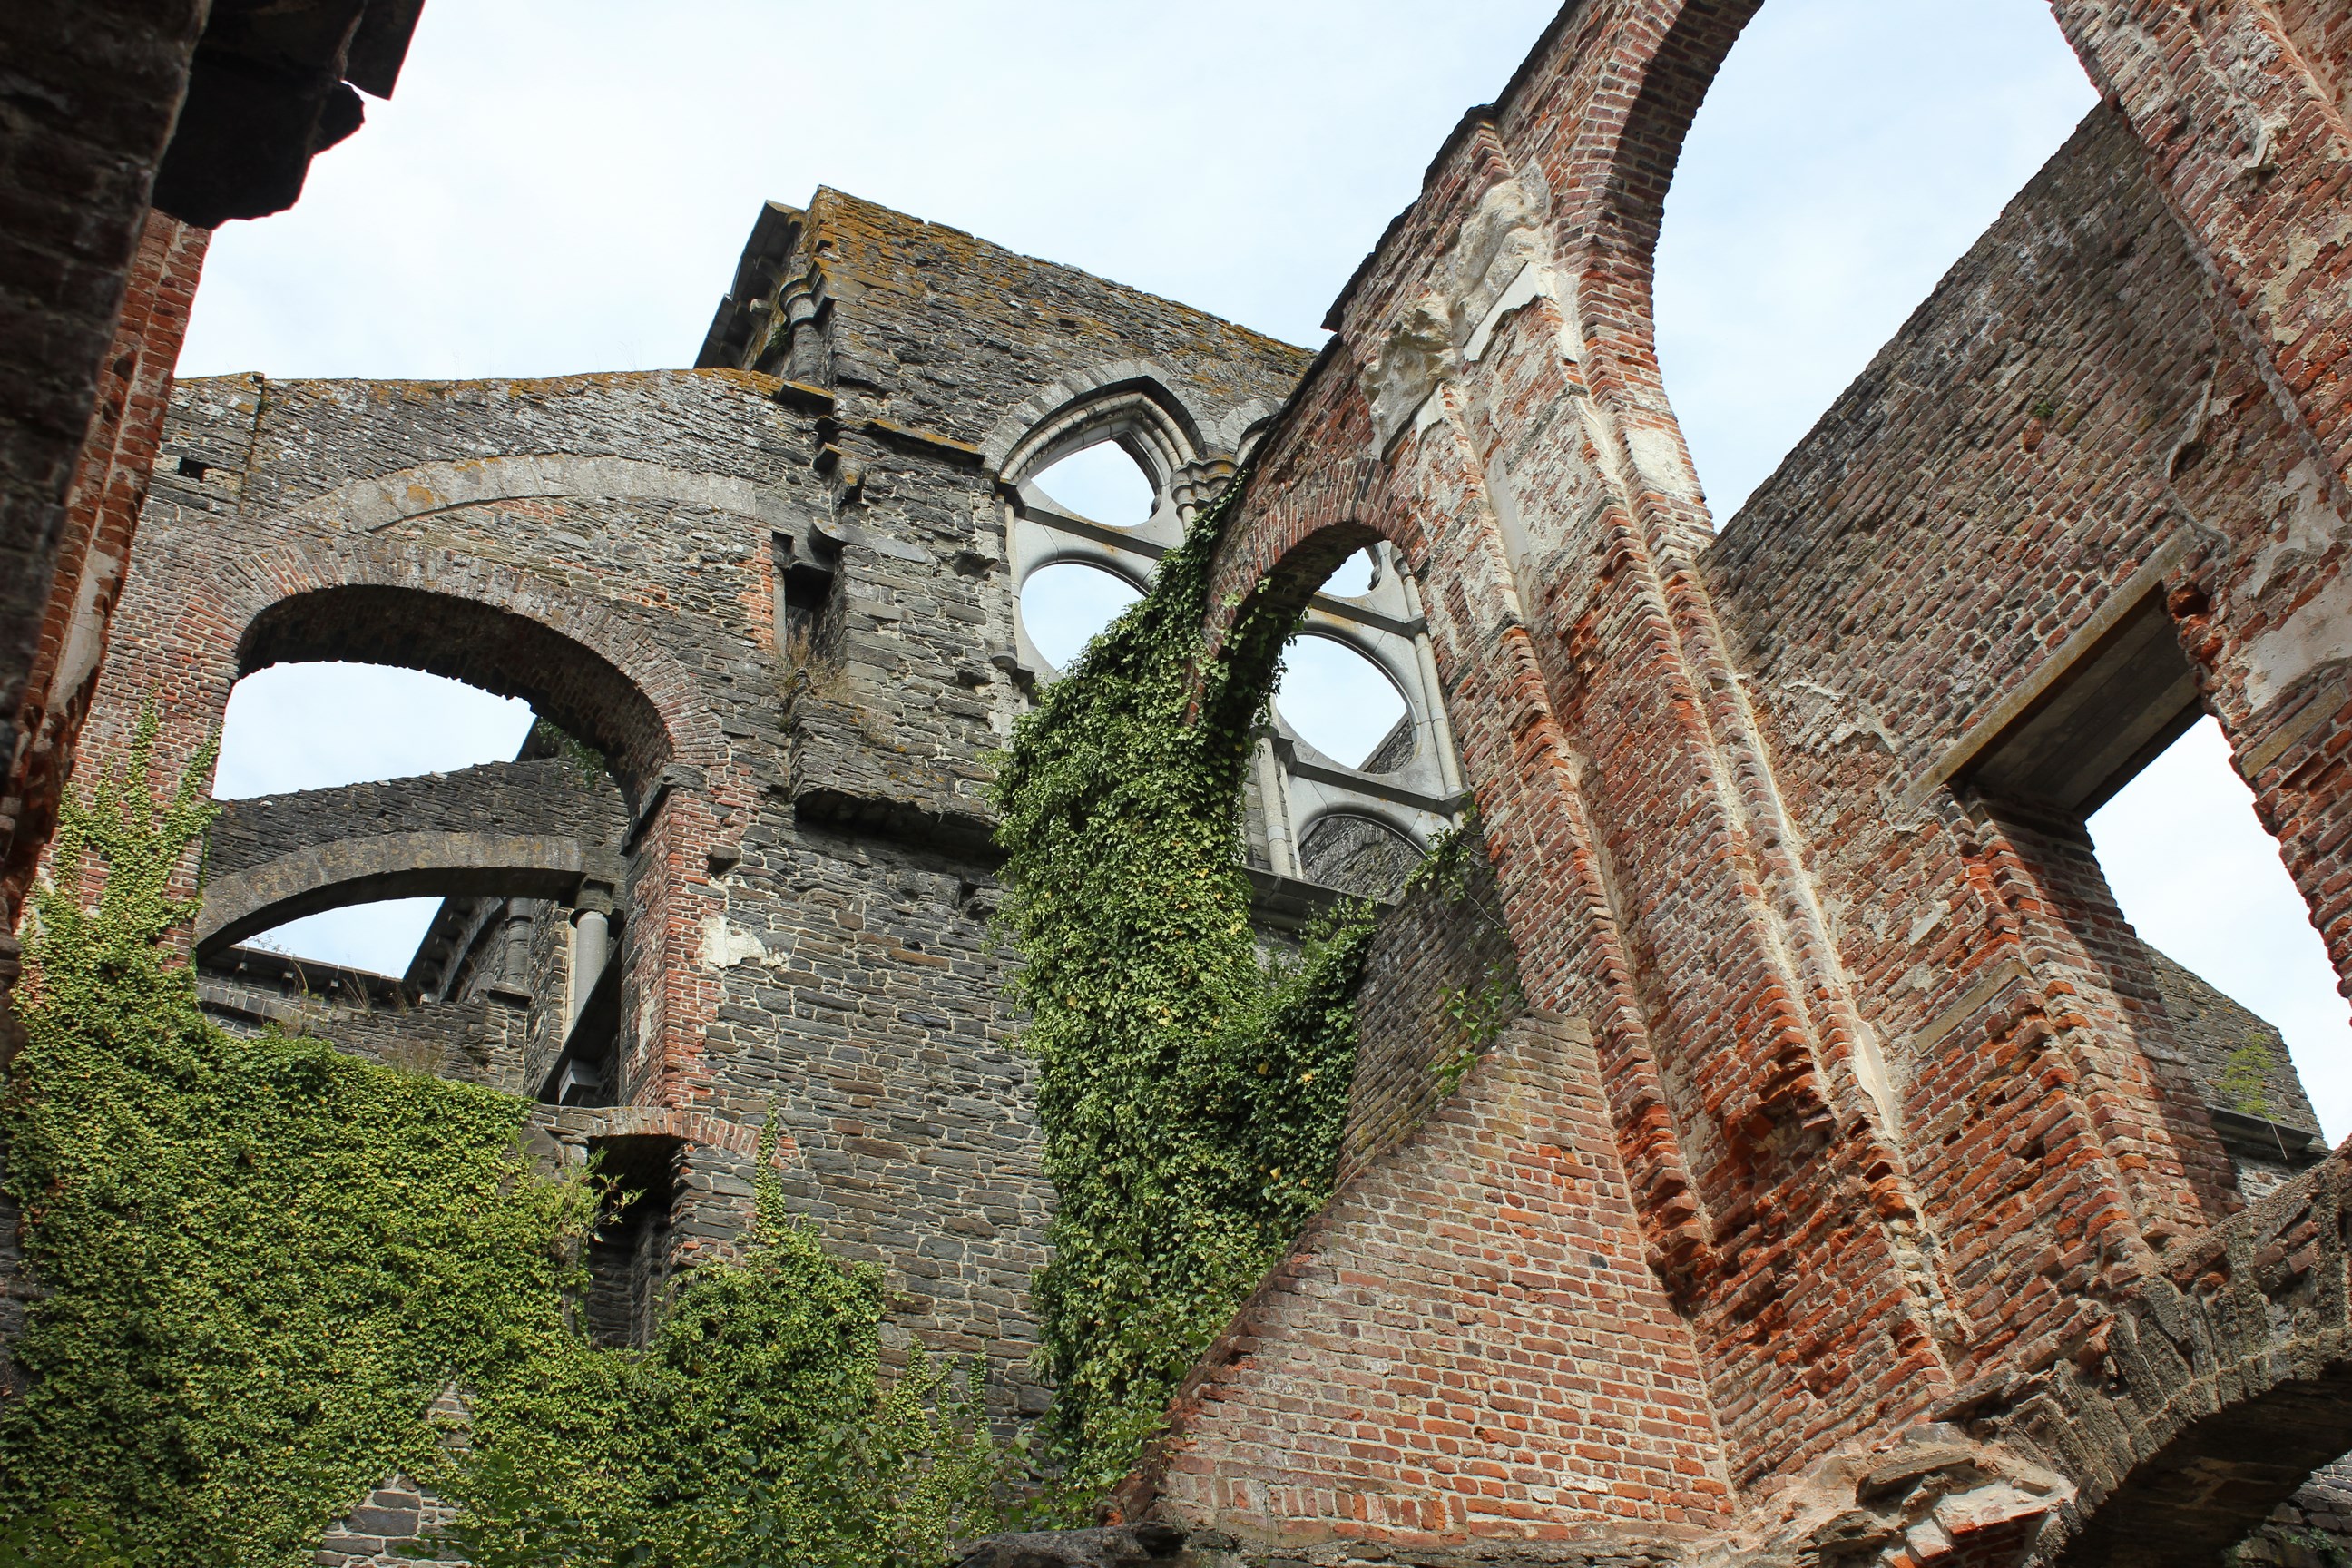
756	1432
263	1259
1190	1092
588	764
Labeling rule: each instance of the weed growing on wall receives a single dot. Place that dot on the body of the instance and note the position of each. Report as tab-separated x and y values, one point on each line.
261	1259
756	1432
1191	1093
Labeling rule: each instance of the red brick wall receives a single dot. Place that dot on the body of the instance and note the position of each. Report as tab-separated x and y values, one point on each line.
1466	1342
110	486
1892	1102
1974	500
95	88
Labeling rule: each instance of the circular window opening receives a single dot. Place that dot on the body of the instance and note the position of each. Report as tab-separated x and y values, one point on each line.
1354	577
1102	484
1064	605
1342	704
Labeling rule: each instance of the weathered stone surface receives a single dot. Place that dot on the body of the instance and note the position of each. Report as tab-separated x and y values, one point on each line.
1123	1546
1878	1214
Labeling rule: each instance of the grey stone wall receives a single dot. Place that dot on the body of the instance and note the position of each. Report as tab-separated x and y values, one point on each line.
805	883
480	1039
548	797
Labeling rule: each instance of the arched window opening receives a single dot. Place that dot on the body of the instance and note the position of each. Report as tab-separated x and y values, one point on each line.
1065	603
1102	484
315	726
1342	704
1356	577
379	938
1847	153
2202	883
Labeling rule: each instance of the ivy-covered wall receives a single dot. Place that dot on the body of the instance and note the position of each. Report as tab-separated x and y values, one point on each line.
260	1259
1191	1090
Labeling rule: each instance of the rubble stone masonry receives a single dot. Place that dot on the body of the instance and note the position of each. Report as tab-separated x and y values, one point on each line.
1836	1180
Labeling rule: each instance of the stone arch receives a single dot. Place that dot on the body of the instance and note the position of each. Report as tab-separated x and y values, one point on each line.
2209	1396
374	504
1358	848
485	645
1291	535
1131	403
347	871
593	666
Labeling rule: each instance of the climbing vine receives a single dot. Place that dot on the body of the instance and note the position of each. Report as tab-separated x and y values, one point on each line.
260	1259
1191	1089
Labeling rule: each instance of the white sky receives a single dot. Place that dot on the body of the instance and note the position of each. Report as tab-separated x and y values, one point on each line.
564	185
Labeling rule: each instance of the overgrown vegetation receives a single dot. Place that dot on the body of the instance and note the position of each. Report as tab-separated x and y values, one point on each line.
262	1258
588	764
1192	1092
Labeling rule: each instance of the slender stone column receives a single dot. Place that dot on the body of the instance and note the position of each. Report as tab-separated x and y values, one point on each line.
590	928
514	963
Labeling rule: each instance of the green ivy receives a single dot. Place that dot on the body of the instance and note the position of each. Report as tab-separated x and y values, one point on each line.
1191	1089
756	1431
261	1259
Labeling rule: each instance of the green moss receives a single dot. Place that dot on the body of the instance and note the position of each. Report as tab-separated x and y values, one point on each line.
1191	1094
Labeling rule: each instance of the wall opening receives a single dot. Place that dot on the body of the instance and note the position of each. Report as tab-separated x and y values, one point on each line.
1102	484
1065	603
627	1257
1356	577
1342	704
306	726
1846	154
2118	796
2203	882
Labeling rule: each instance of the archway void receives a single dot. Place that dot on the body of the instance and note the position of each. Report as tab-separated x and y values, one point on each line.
1356	575
1064	604
2199	879
1102	484
319	725
1847	153
1339	702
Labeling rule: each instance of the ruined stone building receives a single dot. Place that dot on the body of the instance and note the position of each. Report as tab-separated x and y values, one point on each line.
1853	1186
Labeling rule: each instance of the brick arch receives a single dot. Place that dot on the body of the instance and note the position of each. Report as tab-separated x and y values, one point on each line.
1289	535
593	666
